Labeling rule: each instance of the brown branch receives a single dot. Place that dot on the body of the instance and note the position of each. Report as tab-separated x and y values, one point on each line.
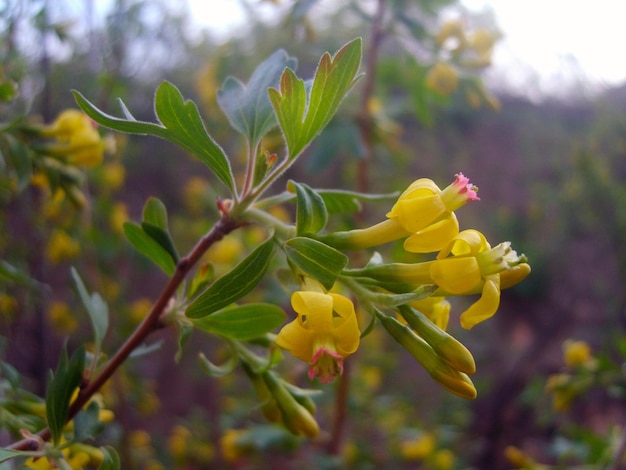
149	324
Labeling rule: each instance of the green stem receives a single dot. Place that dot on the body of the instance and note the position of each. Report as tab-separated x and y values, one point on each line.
282	230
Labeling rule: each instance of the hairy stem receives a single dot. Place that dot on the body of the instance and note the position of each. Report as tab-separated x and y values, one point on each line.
149	324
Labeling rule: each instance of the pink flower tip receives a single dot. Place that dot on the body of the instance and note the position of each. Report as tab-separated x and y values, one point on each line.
465	187
325	365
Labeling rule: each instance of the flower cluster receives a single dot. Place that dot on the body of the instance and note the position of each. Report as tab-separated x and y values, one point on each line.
326	330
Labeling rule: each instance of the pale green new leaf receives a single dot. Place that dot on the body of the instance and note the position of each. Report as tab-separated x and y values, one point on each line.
302	118
180	123
8	454
111	459
248	107
214	370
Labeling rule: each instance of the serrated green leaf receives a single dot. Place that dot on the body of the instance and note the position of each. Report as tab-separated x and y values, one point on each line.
214	370
111	460
316	259
235	284
243	322
155	213
311	215
162	237
96	307
149	247
302	119
180	123
248	107
61	386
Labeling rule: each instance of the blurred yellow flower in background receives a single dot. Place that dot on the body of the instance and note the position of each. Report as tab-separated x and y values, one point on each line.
61	246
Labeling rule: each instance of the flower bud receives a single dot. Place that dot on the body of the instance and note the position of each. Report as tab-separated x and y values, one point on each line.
447	347
451	379
295	416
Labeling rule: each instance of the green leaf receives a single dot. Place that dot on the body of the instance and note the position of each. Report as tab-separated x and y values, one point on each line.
111	460
184	332
86	423
180	123
163	238
155	213
244	322
311	215
248	107
8	454
149	247
96	307
234	284
214	370
302	119
342	202
61	386
316	259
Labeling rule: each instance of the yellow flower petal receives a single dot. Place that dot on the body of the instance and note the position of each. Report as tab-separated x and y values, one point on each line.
456	275
485	307
433	238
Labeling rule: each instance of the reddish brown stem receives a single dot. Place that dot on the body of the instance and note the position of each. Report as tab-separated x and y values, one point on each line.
149	324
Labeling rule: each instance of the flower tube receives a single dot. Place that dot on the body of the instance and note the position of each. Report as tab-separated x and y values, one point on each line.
423	213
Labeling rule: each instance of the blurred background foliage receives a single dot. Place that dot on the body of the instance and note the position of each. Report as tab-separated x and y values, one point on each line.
552	180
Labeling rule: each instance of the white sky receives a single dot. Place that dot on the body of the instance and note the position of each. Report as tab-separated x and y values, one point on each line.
548	44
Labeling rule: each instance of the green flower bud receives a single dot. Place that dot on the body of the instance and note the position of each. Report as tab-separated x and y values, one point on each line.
446	346
295	416
451	379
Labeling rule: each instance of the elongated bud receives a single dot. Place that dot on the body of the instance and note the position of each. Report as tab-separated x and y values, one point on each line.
302	396
446	346
451	379
295	416
269	407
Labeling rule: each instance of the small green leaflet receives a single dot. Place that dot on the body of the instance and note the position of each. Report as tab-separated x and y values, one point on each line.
214	370
243	322
111	460
316	259
234	284
61	386
180	123
248	107
303	117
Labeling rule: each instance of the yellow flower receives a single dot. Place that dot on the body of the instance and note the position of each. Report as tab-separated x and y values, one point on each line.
442	78
323	334
118	217
418	448
61	246
577	353
475	267
113	175
78	141
451	30
61	318
467	265
233	444
8	305
423	213
443	460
